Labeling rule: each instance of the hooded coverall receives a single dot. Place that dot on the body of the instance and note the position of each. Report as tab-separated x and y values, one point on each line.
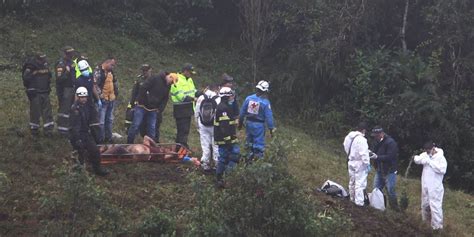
257	111
432	190
357	149
206	134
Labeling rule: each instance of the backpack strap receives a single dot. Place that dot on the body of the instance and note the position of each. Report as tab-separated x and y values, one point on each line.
350	146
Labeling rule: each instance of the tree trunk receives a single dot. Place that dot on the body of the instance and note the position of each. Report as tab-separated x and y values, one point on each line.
404	25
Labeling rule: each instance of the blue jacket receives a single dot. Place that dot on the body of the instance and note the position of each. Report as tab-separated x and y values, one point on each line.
257	109
387	155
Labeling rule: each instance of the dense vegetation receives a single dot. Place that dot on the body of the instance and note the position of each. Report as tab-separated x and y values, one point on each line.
406	65
339	76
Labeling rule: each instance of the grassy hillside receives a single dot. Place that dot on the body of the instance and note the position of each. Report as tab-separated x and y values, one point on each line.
32	168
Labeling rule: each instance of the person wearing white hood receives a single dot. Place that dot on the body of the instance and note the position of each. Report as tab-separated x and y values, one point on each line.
357	150
204	114
432	190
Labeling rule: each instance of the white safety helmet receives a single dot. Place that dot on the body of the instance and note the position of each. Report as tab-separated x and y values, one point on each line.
83	65
263	86
81	92
226	92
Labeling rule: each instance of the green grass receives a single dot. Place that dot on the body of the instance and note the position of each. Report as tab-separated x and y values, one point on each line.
135	188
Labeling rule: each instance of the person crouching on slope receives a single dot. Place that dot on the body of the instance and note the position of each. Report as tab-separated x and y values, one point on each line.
84	132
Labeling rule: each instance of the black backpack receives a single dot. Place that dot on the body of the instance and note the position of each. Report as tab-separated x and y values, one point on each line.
207	111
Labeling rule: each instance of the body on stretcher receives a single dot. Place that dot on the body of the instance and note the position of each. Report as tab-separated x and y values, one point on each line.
149	151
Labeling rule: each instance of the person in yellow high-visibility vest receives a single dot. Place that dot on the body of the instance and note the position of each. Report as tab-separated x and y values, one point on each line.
183	96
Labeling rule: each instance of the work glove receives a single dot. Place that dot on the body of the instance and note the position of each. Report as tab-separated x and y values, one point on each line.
188	99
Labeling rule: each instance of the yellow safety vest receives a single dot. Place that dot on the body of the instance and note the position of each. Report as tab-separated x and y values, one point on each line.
182	88
76	68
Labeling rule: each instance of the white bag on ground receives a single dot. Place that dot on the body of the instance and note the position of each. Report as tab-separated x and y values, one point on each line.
376	199
330	183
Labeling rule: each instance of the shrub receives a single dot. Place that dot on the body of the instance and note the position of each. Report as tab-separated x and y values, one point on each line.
78	207
262	199
157	223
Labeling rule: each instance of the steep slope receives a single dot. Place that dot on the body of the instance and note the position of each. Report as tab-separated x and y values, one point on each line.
30	166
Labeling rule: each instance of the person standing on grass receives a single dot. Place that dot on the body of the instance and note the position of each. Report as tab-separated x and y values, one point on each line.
37	79
432	190
225	134
107	85
257	111
183	95
386	164
206	105
357	150
65	88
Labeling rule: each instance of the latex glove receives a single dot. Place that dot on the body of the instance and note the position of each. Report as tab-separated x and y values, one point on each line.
272	131
99	103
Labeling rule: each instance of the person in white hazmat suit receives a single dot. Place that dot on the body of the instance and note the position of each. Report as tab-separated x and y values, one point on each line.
432	190
204	115
357	150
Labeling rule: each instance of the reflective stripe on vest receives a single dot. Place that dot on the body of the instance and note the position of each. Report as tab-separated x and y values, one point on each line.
182	88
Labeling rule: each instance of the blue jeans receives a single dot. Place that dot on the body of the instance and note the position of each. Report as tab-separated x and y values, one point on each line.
255	139
106	116
229	156
389	181
138	114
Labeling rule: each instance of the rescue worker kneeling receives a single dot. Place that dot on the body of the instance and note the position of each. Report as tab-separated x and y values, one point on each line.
225	134
84	121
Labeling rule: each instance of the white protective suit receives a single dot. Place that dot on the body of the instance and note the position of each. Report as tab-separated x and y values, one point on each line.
432	190
355	145
206	135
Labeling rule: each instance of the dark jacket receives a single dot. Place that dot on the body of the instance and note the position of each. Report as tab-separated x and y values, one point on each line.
88	83
151	93
84	121
36	77
387	155
100	76
63	77
225	123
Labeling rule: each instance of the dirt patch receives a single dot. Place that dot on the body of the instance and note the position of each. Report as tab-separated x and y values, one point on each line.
371	222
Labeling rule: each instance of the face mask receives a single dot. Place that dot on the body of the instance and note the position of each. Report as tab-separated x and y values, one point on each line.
230	102
85	73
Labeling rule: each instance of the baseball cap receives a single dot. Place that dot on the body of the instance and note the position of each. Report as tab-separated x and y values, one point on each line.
189	67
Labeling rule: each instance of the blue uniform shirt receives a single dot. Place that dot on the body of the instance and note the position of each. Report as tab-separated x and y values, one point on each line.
257	109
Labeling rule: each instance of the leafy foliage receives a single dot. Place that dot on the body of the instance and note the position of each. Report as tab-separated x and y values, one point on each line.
157	223
261	199
80	208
